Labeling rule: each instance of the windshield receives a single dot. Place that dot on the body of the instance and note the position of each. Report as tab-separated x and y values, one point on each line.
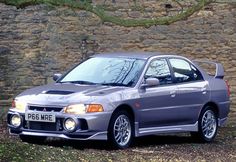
106	71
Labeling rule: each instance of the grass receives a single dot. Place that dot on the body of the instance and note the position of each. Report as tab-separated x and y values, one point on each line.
152	148
100	12
14	150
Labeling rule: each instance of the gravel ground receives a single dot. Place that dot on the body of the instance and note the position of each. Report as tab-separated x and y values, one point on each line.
175	147
178	147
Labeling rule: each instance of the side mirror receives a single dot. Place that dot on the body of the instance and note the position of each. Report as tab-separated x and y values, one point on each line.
151	82
56	76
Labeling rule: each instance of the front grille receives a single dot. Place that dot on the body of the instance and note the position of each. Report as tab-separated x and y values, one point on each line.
46	109
43	126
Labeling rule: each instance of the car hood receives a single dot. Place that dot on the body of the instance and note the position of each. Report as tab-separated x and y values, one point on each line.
67	93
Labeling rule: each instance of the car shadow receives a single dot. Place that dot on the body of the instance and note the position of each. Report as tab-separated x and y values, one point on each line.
140	142
155	140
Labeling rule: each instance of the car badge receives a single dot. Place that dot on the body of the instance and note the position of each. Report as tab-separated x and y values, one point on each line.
44	109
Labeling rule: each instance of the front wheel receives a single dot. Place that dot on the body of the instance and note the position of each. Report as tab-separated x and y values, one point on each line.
207	125
120	131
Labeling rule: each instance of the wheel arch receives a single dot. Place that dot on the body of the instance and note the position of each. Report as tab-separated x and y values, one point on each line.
213	106
126	108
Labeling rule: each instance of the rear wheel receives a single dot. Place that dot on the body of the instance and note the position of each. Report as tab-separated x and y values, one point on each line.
207	125
120	131
32	139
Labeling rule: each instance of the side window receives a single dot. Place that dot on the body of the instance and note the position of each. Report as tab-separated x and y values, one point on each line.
184	72
159	69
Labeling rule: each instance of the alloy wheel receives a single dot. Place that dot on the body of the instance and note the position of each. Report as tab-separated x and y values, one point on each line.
122	130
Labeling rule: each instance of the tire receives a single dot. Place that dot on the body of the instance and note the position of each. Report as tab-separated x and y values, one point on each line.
120	130
207	125
33	139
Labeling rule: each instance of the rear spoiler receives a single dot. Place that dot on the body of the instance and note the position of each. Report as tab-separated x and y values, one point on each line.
219	69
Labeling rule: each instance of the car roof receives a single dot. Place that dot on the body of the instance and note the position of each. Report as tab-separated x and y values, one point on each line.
136	55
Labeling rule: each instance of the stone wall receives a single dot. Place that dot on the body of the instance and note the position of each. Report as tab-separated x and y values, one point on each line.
38	41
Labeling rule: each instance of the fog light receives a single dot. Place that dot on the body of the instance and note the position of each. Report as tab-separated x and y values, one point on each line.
16	120
70	124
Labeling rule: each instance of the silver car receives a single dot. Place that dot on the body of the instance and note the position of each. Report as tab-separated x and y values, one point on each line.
120	96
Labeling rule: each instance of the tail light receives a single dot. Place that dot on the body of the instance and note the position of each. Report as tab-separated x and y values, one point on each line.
228	87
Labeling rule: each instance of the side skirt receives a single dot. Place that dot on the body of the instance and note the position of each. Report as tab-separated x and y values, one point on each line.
165	129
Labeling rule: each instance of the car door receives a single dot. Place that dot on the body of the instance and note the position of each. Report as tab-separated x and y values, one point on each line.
157	102
192	91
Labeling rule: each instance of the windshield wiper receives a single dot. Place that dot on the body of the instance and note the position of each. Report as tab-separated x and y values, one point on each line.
114	84
80	82
91	83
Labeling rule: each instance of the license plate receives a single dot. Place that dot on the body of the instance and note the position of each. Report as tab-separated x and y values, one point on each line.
40	117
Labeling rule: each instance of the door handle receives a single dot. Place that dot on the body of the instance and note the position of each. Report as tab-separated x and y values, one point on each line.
204	90
172	93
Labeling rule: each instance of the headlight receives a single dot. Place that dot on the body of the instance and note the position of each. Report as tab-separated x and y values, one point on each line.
19	105
82	109
15	120
75	109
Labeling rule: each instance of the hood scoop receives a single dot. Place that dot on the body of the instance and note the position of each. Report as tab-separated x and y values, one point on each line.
58	92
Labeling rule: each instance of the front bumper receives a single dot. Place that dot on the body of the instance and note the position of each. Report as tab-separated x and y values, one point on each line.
92	126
